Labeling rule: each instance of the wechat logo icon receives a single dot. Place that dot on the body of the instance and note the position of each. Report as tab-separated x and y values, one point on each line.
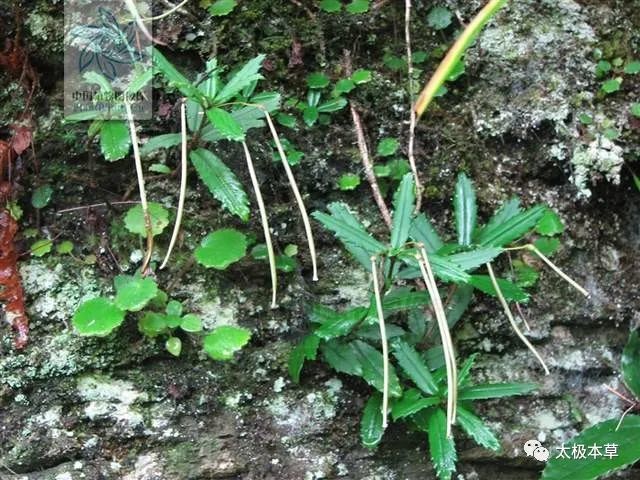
533	448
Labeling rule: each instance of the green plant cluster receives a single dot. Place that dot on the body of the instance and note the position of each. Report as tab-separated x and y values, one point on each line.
158	317
348	340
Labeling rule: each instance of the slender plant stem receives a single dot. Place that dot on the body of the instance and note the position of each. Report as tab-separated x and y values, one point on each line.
512	320
368	167
445	336
265	225
412	115
455	53
556	269
296	194
143	193
383	338
183	183
96	205
131	6
167	13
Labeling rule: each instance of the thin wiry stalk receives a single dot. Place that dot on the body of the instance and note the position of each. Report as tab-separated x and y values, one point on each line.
265	225
445	336
512	321
143	193
183	183
556	269
131	6
296	194
385	346
413	116
167	13
368	167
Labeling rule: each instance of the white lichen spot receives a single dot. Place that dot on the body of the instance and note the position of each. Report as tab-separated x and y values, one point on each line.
601	158
114	399
279	384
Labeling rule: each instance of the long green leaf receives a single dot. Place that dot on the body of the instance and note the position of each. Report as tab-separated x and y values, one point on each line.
411	402
495	390
351	232
477	429
247	74
247	118
221	181
166	140
306	350
422	231
414	367
372	372
507	211
623	445
342	324
401	299
510	291
371	430
465	207
403	201
631	363
225	124
442	448
511	230
341	357
174	77
474	258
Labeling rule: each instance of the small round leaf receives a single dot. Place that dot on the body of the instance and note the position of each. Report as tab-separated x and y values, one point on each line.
191	323
133	295
134	219
173	346
221	248
97	317
224	341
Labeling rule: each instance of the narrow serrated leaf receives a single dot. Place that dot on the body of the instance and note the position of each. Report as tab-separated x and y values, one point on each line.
247	74
221	181
341	357
504	233
495	390
342	324
403	203
477	429
228	127
372	371
465	207
422	231
410	403
441	446
510	290
371	429
474	258
414	367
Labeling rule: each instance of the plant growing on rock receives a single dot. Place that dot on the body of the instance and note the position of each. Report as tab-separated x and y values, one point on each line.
157	317
411	319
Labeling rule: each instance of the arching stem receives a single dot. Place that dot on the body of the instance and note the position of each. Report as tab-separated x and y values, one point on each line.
445	336
296	194
385	346
265	225
183	183
512	320
143	193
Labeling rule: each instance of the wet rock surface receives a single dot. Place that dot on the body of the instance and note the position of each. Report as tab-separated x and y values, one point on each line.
120	408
